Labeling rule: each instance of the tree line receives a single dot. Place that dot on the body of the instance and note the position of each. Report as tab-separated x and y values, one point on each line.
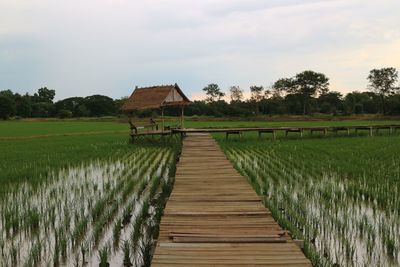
303	94
41	105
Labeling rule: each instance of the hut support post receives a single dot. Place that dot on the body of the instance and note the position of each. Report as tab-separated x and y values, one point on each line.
182	117
162	119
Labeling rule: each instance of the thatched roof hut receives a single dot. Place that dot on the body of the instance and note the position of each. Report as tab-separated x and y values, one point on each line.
155	97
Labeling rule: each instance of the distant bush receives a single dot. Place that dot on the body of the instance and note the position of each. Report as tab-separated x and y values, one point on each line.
64	114
7	108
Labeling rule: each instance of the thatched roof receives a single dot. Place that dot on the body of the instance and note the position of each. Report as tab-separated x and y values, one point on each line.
155	97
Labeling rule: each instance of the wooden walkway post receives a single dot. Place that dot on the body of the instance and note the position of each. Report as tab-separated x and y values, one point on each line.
214	218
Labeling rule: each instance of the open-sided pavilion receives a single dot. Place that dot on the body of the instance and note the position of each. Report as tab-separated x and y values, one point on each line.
155	97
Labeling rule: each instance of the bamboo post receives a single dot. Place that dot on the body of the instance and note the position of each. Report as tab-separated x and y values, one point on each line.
182	118
162	119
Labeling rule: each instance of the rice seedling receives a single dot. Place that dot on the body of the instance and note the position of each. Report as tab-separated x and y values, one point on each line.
127	257
63	246
103	256
135	234
117	232
76	260
126	217
14	255
83	251
56	255
80	229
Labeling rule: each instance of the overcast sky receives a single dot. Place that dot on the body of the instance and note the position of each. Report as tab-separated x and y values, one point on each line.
84	47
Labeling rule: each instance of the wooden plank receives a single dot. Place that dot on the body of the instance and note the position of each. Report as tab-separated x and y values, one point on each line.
214	218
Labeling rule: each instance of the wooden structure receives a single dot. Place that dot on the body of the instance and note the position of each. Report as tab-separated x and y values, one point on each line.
135	128
155	97
214	218
273	130
300	130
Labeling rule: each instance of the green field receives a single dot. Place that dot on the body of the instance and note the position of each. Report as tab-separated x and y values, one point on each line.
77	189
31	148
13	129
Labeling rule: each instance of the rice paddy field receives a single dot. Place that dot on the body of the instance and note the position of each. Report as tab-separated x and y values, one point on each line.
340	194
79	194
76	192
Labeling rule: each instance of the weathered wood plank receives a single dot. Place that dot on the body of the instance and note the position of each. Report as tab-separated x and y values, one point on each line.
214	217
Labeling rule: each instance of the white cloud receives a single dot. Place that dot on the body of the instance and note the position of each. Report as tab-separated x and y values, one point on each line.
108	46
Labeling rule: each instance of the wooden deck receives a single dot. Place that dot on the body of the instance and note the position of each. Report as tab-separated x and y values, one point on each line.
214	218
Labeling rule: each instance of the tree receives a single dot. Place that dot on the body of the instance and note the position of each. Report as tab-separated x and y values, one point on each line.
257	95
293	103
64	114
282	86
100	105
213	92
7	107
236	93
44	95
7	93
330	102
275	104
23	105
42	110
394	104
120	102
361	102
382	81
306	84
74	104
42	103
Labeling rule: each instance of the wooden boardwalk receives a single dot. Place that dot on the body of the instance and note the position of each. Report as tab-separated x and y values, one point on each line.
214	218
392	128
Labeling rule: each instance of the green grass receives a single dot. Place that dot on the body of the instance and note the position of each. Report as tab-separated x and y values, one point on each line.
38	128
